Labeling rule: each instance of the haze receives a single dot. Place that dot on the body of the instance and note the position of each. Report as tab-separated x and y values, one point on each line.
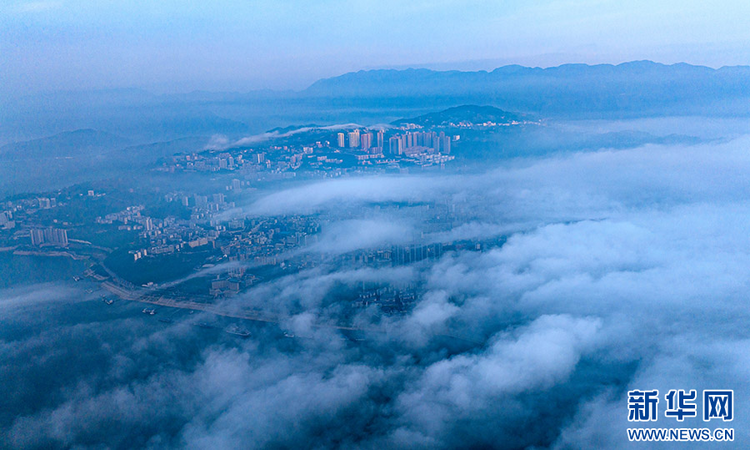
176	46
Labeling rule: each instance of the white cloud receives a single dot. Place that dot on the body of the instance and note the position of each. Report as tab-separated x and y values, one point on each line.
38	6
622	269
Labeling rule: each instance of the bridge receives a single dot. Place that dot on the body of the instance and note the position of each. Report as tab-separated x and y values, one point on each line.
159	300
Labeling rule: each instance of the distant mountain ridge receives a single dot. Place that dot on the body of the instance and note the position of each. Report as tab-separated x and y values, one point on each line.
639	86
464	113
619	72
571	91
77	143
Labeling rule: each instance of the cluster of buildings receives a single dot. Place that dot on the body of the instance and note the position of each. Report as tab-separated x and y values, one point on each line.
204	209
330	156
243	161
397	255
389	299
365	140
24	207
264	241
130	218
160	236
215	163
261	241
408	143
486	124
205	231
226	285
262	247
23	213
423	148
46	202
417	142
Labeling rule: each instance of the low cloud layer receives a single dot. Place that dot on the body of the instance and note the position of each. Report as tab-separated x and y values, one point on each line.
221	142
621	270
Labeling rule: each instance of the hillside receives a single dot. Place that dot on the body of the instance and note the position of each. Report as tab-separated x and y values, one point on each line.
63	145
465	113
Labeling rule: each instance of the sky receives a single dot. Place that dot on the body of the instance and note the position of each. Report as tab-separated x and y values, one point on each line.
230	45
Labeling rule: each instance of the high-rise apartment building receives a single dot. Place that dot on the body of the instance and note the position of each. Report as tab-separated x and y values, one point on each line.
445	143
396	145
366	141
54	236
354	139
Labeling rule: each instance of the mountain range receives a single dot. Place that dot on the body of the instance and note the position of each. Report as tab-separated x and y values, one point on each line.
634	89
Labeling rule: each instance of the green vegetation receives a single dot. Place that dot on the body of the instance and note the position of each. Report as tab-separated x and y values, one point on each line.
158	270
164	209
103	235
